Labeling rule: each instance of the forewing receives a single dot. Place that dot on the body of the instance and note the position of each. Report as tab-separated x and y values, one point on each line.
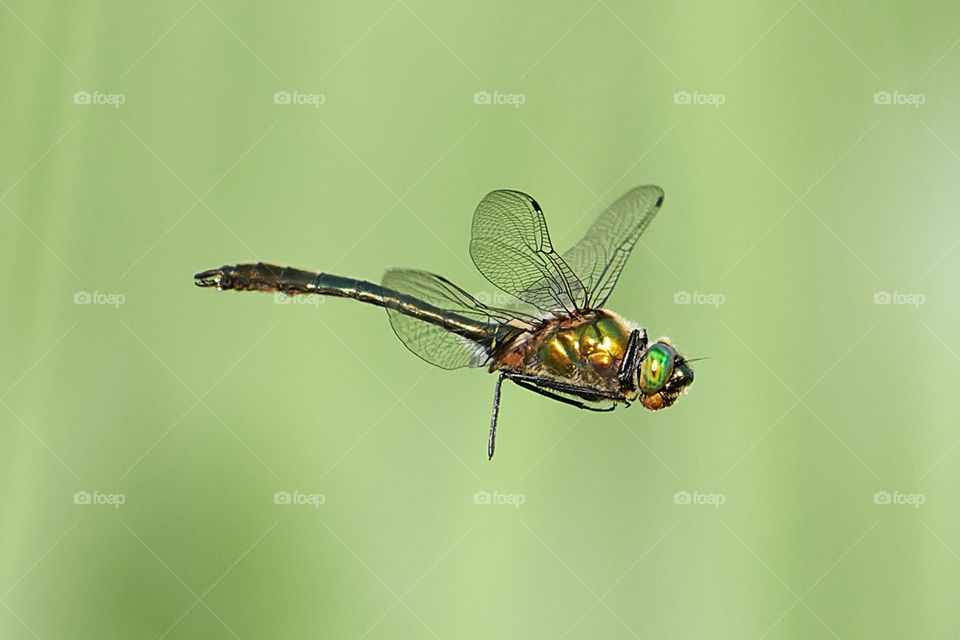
432	342
599	257
511	247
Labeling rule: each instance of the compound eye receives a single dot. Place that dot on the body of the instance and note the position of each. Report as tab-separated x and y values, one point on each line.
656	367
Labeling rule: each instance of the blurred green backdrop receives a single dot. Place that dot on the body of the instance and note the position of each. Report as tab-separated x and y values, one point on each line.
806	487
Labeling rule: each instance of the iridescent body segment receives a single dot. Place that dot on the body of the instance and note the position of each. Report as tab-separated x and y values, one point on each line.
595	345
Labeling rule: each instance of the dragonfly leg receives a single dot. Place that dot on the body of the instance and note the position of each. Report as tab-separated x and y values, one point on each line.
588	393
631	359
544	392
496	412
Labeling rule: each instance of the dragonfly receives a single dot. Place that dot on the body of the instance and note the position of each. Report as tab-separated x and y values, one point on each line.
553	336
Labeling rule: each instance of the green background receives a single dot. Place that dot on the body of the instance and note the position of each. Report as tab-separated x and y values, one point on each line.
800	199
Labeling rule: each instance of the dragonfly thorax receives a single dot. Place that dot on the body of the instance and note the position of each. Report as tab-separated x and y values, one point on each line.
584	348
596	343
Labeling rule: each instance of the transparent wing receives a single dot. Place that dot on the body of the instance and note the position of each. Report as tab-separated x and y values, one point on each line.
511	247
599	257
432	342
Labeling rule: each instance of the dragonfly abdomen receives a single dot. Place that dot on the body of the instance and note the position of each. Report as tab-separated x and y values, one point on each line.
263	276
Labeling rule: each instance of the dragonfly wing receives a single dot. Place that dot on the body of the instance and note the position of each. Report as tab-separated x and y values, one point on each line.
432	342
599	257
511	247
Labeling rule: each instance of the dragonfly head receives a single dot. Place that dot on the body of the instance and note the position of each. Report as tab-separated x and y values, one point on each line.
662	375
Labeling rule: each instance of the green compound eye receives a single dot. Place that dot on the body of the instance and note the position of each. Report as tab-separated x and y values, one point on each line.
656	368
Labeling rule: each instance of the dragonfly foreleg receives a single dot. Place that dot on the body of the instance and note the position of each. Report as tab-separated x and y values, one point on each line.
631	358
